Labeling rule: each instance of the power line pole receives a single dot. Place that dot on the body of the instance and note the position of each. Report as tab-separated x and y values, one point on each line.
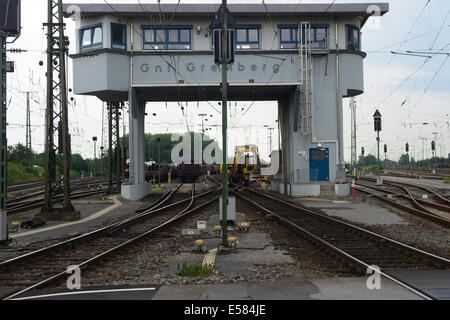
3	141
114	144
224	125
203	129
56	112
28	133
270	139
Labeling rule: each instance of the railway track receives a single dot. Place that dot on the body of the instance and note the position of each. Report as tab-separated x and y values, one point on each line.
46	266
357	247
433	211
36	200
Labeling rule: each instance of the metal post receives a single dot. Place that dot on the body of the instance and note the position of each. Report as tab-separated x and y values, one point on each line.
95	158
353	132
28	133
224	126
3	141
159	161
203	130
110	146
57	47
117	146
378	146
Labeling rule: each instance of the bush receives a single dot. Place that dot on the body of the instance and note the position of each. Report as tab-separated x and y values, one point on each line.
20	173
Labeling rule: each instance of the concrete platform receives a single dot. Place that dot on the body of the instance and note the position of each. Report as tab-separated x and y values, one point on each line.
336	288
92	215
356	212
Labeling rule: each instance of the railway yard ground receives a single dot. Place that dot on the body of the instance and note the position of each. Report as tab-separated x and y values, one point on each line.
272	260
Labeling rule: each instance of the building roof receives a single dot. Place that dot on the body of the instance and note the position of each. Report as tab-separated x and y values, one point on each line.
90	10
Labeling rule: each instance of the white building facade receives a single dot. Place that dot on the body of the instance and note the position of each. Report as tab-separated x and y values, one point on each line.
148	53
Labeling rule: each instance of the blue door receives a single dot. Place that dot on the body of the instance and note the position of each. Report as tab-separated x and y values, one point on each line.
319	164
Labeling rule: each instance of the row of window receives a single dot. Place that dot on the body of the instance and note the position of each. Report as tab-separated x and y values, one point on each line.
247	37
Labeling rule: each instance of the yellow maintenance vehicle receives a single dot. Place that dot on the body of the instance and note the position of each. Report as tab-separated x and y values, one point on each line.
246	164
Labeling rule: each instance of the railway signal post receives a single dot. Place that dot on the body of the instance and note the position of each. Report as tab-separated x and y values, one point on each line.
224	54
377	127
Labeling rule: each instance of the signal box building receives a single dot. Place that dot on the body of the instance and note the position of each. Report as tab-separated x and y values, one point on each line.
308	57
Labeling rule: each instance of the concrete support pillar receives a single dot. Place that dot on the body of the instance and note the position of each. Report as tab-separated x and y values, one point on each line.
137	187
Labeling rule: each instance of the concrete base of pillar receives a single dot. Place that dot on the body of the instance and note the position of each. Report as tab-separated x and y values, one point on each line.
135	191
305	190
275	186
313	190
342	190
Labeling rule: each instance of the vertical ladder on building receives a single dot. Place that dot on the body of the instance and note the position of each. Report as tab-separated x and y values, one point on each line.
305	59
353	130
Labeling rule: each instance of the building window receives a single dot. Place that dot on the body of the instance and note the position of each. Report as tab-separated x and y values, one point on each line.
352	37
91	37
289	36
247	37
167	37
118	36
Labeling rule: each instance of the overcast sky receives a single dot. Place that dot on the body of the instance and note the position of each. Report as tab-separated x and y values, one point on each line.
412	93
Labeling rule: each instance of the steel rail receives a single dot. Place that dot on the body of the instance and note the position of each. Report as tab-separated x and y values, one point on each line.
160	201
440	197
96	232
63	274
37	203
410	197
432	217
355	261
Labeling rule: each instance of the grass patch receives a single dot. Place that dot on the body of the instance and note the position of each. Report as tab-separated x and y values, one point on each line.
156	190
446	180
196	270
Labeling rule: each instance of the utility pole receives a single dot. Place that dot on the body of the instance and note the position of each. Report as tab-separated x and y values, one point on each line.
28	133
114	144
56	112
124	155
159	161
270	139
224	125
203	130
423	147
3	141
